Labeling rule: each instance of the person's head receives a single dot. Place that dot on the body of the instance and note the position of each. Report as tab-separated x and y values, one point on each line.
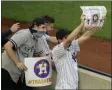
62	34
39	24
50	21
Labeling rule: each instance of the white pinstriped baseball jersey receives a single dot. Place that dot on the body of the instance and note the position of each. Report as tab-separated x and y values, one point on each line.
66	66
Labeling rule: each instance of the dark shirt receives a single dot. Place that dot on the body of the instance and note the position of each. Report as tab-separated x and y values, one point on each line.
4	37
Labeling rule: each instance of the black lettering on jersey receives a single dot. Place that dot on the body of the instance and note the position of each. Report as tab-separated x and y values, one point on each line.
25	50
74	57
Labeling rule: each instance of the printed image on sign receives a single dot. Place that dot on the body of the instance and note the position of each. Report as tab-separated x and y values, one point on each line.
95	18
41	68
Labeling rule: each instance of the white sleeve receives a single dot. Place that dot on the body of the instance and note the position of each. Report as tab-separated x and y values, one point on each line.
75	46
46	36
58	51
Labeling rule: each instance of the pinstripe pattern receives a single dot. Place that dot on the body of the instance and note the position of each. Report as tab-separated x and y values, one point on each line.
67	71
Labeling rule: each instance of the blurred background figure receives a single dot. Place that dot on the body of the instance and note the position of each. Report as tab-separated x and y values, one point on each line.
7	33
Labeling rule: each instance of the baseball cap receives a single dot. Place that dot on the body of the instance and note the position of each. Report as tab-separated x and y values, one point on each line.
39	20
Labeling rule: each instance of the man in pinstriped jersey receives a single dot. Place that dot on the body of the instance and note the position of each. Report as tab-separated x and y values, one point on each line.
64	56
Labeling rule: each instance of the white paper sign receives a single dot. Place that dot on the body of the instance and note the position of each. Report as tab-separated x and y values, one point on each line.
94	16
39	71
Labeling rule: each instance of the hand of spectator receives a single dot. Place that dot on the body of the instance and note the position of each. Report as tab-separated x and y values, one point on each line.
15	27
21	66
83	17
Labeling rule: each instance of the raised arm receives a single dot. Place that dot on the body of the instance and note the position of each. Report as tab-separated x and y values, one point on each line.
74	33
72	36
13	28
53	40
86	36
7	33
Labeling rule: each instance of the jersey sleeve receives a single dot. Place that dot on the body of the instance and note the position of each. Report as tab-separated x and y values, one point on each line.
58	51
75	46
18	39
46	36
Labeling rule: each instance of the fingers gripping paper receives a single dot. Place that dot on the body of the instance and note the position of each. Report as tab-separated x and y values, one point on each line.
39	71
94	16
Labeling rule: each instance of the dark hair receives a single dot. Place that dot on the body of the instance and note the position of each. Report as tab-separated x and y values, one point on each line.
38	21
61	33
49	19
